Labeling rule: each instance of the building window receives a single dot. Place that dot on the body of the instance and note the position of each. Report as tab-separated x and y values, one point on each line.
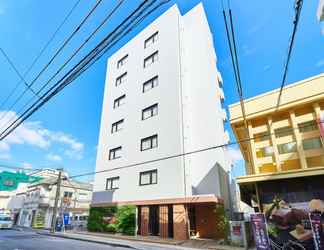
112	183
265	152
115	153
119	101
68	194
287	148
122	61
263	136
312	143
152	39
149	142
150	111
282	132
150	84
307	126
148	177
151	59
117	126
120	79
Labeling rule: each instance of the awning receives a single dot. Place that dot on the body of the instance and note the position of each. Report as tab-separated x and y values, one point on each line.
186	200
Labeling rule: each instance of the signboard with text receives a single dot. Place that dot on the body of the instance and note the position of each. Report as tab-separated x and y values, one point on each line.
260	233
317	222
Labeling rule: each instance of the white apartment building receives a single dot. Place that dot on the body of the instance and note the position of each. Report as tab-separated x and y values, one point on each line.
163	100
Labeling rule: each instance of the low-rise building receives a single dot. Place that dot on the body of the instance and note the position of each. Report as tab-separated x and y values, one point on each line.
38	201
283	145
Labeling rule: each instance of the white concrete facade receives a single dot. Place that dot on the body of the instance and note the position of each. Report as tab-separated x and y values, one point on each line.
190	116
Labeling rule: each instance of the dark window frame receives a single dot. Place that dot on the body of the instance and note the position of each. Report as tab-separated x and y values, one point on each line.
151	138
114	126
156	34
151	83
151	177
111	183
150	57
120	62
117	101
112	153
150	108
118	79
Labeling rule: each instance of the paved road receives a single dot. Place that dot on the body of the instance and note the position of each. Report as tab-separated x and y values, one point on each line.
27	240
30	240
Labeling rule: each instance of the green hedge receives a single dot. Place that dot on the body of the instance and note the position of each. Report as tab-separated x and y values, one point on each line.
125	219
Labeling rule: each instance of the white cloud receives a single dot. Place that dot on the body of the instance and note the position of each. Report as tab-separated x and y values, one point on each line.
74	148
266	67
53	157
235	154
320	63
27	165
34	134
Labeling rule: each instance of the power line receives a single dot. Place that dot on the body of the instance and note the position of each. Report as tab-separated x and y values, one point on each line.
17	72
57	53
187	153
75	52
18	168
85	63
298	7
73	55
40	54
260	137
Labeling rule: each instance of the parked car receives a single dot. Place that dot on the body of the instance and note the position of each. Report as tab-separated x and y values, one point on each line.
5	221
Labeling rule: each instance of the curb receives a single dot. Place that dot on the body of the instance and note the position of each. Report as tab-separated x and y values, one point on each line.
87	240
179	243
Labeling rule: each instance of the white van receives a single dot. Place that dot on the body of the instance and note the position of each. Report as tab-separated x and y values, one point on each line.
5	221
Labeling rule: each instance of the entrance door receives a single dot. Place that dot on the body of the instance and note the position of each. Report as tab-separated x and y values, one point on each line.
154	220
192	219
170	221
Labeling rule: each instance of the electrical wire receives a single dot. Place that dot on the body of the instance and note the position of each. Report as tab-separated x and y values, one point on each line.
78	69
72	56
258	137
298	7
188	153
17	72
40	54
75	31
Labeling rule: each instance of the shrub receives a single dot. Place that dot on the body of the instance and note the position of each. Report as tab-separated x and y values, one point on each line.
126	216
95	220
111	228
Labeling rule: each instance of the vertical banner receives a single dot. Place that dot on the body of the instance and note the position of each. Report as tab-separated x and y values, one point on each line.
317	223
260	233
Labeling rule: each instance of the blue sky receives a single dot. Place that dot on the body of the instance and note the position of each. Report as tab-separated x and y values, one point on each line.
65	132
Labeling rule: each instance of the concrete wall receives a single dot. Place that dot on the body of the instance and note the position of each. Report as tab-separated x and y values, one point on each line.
166	124
202	108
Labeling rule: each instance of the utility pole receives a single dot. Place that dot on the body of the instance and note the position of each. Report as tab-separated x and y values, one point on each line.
57	197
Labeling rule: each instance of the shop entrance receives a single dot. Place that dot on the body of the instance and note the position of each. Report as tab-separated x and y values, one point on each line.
154	220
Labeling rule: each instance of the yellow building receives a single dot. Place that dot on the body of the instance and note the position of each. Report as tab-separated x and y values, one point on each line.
285	158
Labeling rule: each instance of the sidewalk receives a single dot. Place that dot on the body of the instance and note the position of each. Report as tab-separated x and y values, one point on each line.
135	242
